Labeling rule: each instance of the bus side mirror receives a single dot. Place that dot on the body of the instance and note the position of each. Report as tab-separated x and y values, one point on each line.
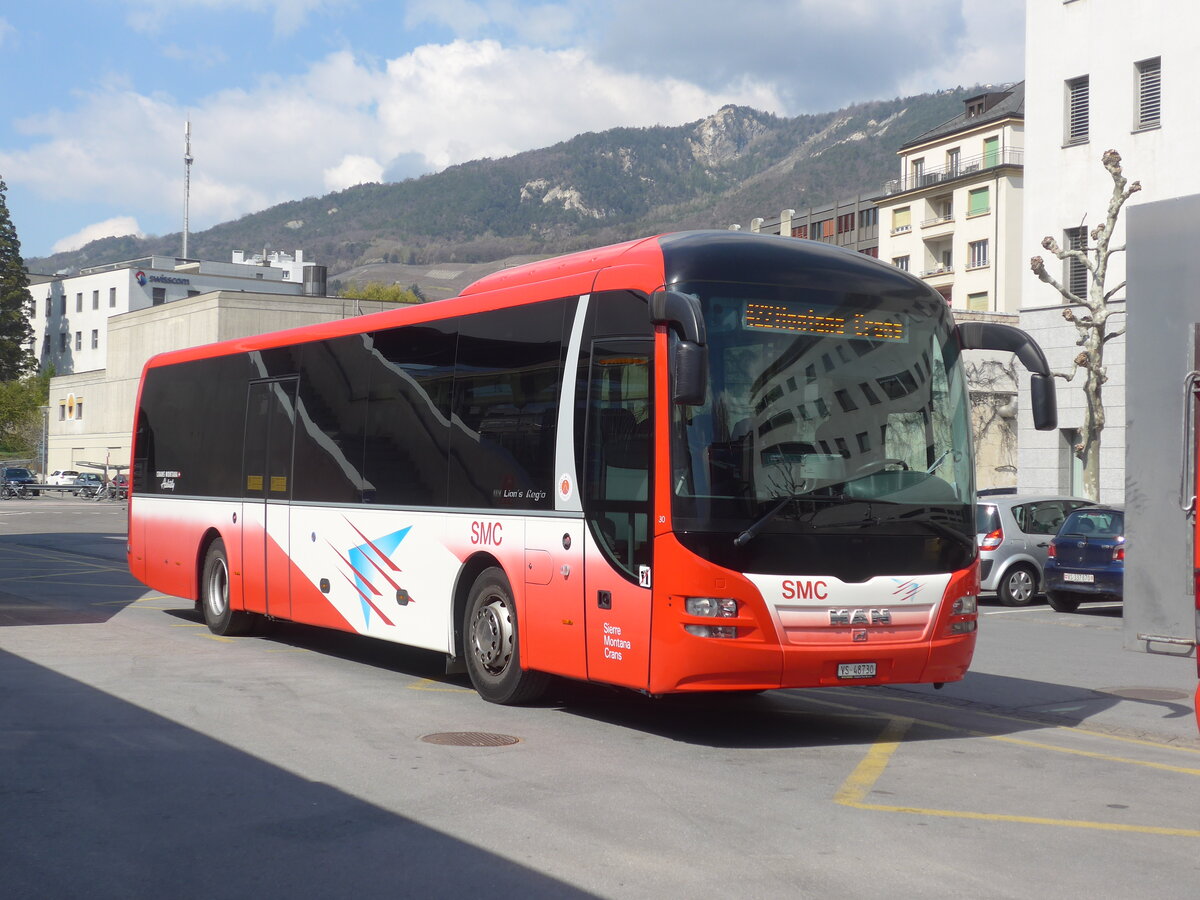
994	336
689	373
689	355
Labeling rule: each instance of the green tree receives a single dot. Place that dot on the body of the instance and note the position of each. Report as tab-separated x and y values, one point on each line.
21	400
15	358
377	290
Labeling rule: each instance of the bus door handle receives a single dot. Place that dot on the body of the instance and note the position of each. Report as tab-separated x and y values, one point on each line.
604	599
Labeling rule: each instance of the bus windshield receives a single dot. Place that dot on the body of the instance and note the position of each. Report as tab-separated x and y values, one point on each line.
825	411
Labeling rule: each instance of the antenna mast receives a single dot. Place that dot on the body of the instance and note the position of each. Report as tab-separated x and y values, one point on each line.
187	181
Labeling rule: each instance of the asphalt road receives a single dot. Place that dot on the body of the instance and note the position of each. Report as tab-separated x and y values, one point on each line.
141	755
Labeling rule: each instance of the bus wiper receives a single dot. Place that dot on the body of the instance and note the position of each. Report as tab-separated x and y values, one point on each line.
750	533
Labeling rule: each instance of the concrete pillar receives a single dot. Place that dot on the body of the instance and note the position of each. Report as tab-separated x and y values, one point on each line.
785	222
756	224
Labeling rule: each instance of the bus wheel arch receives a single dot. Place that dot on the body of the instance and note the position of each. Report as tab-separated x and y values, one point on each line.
491	641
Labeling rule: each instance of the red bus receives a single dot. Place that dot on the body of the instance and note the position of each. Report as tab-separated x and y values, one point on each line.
700	461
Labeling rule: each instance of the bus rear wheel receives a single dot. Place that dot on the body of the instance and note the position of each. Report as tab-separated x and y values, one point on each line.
492	653
214	595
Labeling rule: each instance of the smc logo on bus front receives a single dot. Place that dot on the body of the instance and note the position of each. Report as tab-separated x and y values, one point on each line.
490	534
794	589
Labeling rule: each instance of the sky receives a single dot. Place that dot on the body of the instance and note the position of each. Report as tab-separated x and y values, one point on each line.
296	98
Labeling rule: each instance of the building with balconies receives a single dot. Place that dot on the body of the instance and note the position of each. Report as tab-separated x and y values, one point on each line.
953	215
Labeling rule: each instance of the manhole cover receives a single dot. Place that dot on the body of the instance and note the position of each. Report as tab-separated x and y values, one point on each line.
470	739
1139	693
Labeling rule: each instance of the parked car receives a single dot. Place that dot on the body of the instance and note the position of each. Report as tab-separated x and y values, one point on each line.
62	476
1087	558
121	483
86	484
1013	532
18	475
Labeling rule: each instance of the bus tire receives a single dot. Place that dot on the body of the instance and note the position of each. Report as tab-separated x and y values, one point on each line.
214	595
1019	586
492	652
1062	602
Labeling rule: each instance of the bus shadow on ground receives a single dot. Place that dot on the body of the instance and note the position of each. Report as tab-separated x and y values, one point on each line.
984	703
64	578
101	795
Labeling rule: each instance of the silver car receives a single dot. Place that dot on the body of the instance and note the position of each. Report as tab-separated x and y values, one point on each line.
1013	532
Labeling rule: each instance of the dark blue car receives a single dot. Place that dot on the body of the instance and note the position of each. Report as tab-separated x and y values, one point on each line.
1086	559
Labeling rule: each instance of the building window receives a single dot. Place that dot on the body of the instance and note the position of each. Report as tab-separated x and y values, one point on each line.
901	220
868	217
95	299
79	409
872	252
159	296
95	339
63	337
1077	111
799	231
979	201
79	340
900	262
62	305
48	303
62	412
827	228
1075	273
991	152
1149	93
952	157
977	254
845	223
112	298
79	302
978	302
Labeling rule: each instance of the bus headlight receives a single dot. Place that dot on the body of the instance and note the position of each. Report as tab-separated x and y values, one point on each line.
711	607
965	606
724	607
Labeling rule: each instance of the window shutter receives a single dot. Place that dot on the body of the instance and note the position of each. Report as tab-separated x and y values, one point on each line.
1077	112
1149	93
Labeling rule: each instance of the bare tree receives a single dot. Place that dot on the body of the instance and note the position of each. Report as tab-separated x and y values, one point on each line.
1092	323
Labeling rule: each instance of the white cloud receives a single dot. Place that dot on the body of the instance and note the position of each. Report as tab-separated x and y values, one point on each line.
340	122
352	170
115	227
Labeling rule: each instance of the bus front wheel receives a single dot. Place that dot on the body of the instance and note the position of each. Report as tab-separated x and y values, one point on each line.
214	594
492	653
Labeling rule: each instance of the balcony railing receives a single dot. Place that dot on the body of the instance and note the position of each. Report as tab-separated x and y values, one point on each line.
937	220
965	168
938	270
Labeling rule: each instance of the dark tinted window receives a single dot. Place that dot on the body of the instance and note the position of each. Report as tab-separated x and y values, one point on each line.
408	415
331	416
190	428
506	407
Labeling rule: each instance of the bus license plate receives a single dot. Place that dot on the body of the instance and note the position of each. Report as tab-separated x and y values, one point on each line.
1083	577
856	670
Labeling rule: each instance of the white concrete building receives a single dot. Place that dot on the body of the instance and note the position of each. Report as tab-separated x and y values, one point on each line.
69	314
1099	75
91	412
954	214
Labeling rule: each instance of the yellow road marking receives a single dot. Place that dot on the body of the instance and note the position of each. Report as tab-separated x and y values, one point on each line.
858	785
428	684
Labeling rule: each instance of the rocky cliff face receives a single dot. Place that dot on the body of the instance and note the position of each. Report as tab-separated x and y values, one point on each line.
723	136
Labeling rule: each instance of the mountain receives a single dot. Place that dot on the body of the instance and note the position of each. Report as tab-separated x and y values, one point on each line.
593	189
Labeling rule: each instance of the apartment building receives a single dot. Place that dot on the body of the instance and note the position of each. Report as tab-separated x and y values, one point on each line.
852	223
954	213
1100	75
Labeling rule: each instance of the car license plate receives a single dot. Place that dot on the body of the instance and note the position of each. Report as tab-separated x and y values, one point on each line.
856	670
1081	577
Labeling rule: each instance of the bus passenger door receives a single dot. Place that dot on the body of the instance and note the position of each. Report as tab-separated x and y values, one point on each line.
617	508
267	492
